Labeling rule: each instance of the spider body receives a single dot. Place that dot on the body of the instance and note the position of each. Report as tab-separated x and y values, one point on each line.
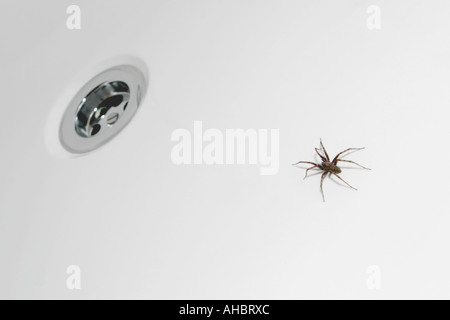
329	167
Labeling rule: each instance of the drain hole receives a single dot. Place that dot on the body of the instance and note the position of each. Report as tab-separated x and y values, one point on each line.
100	113
102	106
95	129
112	101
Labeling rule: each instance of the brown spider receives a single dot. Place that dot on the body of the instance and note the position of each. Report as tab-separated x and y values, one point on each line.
329	167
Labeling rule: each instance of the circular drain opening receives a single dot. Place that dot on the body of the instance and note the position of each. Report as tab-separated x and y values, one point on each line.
102	108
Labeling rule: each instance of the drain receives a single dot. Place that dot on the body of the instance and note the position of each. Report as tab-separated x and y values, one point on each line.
102	108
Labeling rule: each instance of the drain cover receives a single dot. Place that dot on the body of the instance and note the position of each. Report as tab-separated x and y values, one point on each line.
102	108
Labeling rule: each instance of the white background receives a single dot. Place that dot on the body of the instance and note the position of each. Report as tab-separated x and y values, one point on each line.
140	227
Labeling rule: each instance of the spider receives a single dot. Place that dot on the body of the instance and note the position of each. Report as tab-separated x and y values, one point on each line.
330	167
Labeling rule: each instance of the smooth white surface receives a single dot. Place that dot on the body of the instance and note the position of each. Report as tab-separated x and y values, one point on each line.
141	227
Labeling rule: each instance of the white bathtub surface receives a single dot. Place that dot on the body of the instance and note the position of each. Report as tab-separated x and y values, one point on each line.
139	226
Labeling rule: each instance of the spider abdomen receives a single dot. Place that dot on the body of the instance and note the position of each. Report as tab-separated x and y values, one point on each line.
335	169
328	166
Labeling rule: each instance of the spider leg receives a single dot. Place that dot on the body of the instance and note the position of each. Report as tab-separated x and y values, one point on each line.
344	181
308	162
353	163
321	184
321	156
324	151
346	150
306	173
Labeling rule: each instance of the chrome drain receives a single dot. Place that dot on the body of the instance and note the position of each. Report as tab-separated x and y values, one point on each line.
102	108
